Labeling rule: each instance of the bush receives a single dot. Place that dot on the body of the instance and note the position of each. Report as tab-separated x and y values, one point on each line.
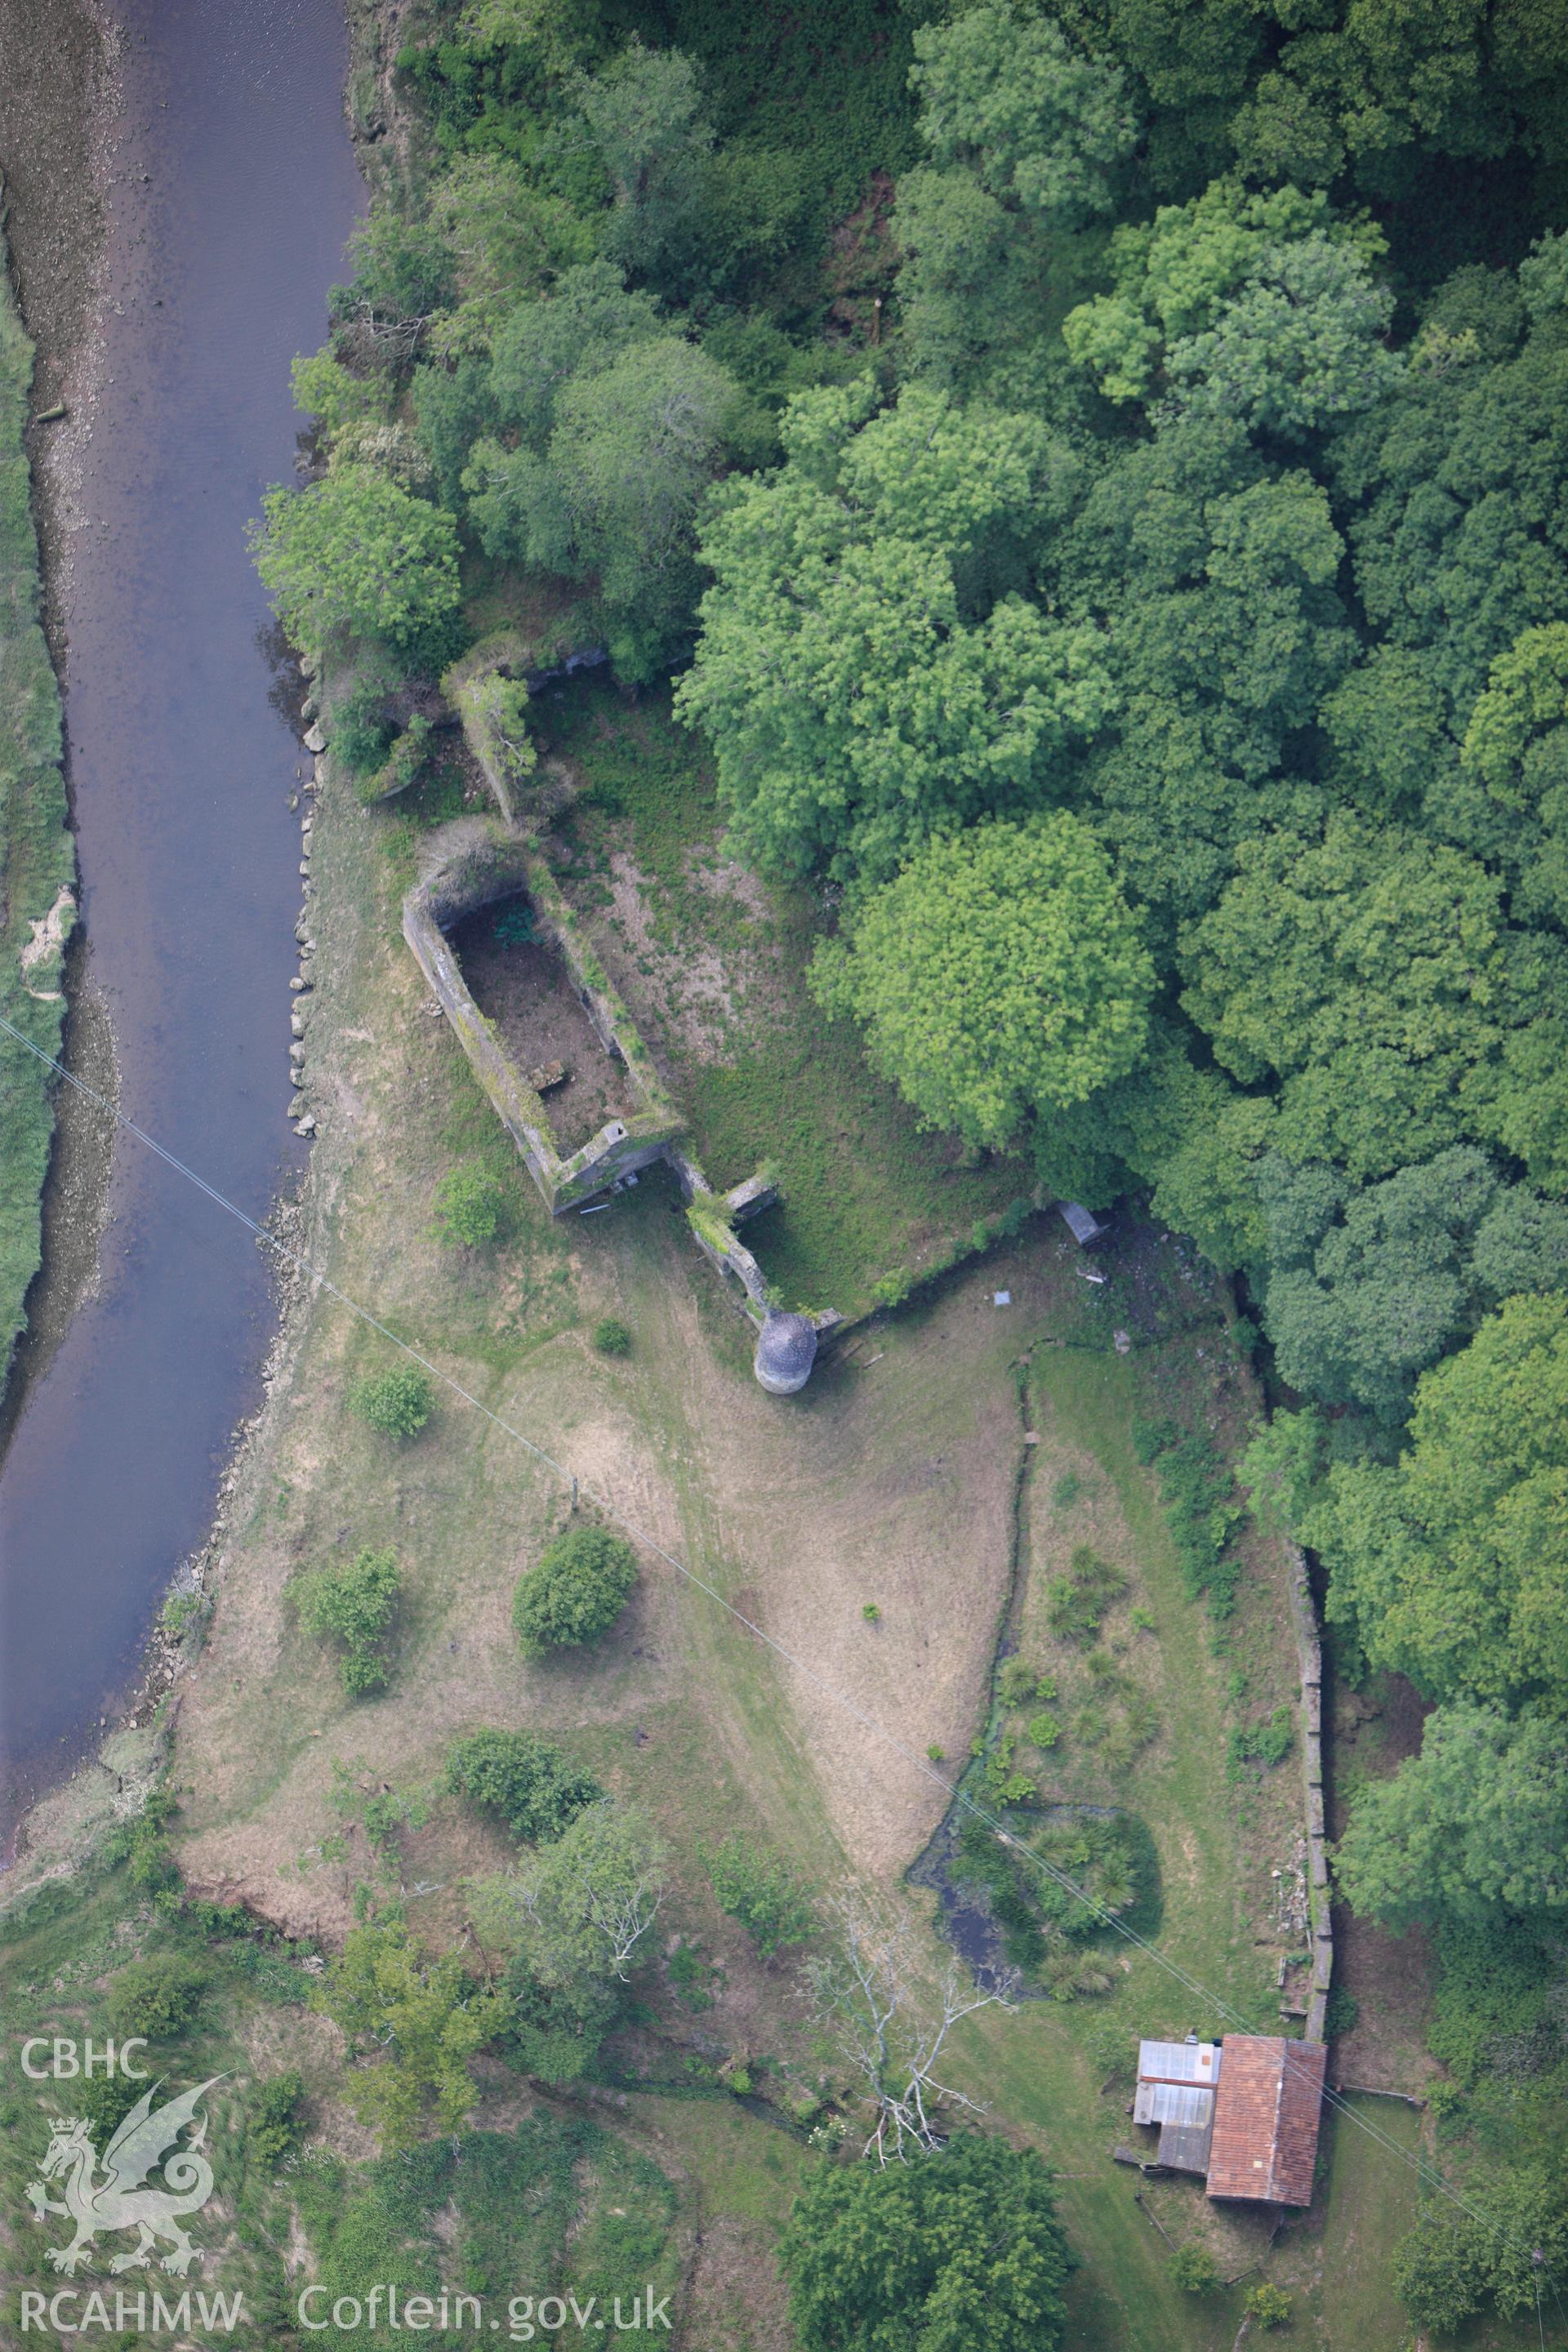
273	2125
1195	2270
761	1892
156	1997
362	732
1044	1729
580	1586
398	1403
612	1339
104	2103
403	763
469	1206
536	1790
1268	2306
1018	1681
1075	1603
354	1605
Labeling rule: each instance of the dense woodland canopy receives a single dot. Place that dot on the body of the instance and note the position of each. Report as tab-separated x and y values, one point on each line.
1098	472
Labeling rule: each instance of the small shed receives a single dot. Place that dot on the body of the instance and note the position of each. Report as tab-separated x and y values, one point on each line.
1081	1223
1176	2093
1267	2113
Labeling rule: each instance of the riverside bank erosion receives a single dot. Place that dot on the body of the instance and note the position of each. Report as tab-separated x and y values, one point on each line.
231	190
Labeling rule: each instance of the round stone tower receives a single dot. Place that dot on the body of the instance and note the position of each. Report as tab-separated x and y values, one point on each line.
786	1350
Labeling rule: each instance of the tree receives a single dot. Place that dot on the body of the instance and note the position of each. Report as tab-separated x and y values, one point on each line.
1371	970
354	552
971	283
1212	580
398	1403
1300	345
1453	2263
584	1905
354	1605
1477	1822
470	1205
616	428
574	1592
1366	1289
869	670
863	1989
761	1891
536	1790
1269	2305
1453	1564
1260	307
1000	973
959	2247
323	388
644	115
424	2020
1449	488
1039	124
1195	2270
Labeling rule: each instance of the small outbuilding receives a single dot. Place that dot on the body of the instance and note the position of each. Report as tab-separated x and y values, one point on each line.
1176	2092
1267	2113
786	1350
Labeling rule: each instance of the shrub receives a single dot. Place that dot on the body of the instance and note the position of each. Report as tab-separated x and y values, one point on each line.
1016	1682
470	1205
104	2103
402	763
398	1403
1195	2270
155	1997
1044	1729
761	1892
1268	2306
1076	1602
870	1613
354	1605
611	1338
581	1584
274	2124
1262	1743
536	1790
362	732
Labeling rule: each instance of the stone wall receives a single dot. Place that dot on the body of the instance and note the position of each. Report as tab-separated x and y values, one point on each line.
465	866
1310	1652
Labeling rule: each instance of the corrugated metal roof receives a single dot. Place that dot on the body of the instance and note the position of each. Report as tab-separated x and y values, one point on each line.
1184	2148
1266	2119
1172	2103
1178	2061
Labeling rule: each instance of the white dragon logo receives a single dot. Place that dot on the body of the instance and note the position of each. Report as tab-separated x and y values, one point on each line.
120	2200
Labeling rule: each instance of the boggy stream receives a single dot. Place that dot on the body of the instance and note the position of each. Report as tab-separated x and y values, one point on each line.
235	188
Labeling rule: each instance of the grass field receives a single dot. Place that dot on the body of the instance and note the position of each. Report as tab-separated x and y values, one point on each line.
891	1481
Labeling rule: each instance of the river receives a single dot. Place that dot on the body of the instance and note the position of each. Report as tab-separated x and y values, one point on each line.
183	755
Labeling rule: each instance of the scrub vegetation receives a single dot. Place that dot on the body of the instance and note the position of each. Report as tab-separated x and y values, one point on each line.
37	865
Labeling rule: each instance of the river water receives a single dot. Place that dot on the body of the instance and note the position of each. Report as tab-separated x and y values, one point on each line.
183	757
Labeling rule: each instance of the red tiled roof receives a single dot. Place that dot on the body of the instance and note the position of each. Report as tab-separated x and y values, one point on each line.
1267	2107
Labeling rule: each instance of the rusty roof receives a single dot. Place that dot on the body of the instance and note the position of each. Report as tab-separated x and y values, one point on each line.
1267	2106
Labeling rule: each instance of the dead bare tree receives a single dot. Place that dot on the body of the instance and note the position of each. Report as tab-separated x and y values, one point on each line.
868	1990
